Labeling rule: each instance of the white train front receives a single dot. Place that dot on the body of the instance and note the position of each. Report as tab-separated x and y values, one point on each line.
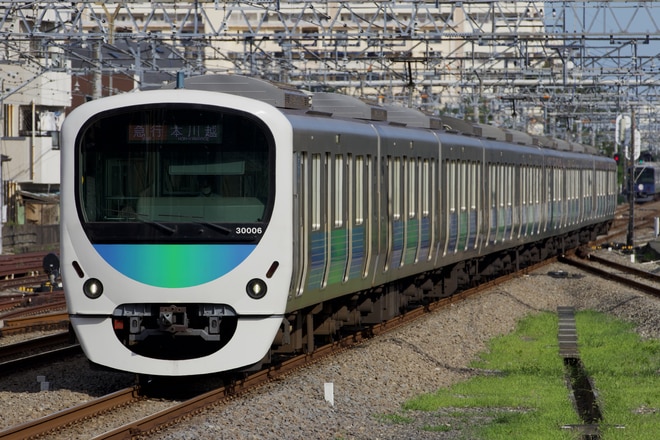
170	199
200	229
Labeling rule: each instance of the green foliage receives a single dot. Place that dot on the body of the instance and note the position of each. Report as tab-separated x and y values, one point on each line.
521	392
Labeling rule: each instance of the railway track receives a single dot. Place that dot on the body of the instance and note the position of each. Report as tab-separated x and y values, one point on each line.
22	270
124	400
34	322
48	424
18	300
36	352
234	387
634	277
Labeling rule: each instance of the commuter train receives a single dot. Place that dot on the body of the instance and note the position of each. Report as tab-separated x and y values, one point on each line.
222	221
646	181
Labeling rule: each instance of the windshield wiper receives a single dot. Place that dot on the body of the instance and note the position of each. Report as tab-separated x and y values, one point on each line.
160	226
216	227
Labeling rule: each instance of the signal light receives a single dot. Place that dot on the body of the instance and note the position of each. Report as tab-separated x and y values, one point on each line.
617	158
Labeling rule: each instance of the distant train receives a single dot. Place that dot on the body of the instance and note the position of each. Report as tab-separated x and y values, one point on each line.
646	181
210	226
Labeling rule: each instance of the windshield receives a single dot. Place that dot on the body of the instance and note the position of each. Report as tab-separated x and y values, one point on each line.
646	175
166	173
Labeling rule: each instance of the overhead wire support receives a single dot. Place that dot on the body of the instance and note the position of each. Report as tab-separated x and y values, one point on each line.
577	53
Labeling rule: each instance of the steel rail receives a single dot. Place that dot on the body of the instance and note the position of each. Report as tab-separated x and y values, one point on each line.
31	323
608	274
32	315
197	404
235	388
57	420
39	358
34	344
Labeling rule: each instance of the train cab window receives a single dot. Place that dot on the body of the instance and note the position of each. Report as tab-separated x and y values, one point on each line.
162	172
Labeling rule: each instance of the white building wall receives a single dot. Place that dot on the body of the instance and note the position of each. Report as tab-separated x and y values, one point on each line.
46	162
32	157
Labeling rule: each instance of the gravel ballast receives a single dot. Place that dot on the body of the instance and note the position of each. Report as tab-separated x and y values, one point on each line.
369	381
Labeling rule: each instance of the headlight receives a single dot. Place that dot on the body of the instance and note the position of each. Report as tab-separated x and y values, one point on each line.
93	288
256	288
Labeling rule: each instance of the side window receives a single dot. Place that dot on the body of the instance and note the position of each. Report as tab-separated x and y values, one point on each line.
451	185
411	171
339	188
395	188
316	192
426	188
359	190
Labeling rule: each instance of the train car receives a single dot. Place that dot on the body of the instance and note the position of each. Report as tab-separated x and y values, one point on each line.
218	222
646	181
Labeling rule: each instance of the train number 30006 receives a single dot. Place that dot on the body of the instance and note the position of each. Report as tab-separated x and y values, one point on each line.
257	230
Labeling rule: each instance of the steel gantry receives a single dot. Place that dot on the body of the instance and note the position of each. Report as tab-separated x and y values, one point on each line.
565	68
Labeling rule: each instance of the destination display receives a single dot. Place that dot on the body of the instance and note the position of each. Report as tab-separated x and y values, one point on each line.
175	134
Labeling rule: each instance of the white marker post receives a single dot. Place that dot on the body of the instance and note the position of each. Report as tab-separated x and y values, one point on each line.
330	393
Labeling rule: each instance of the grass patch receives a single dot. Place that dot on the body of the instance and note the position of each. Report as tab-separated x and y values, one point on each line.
395	419
626	373
522	393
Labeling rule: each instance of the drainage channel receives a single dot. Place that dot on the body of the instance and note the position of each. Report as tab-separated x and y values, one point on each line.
584	396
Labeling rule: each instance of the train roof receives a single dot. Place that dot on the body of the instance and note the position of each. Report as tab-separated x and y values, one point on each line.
347	107
411	117
287	97
277	95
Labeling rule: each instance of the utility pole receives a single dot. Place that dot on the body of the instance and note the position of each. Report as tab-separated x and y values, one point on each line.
631	182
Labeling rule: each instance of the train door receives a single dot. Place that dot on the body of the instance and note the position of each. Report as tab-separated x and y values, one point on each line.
555	198
461	184
575	186
410	212
496	186
529	200
550	198
588	194
337	231
599	188
317	229
524	200
451	189
301	217
462	204
427	209
473	202
395	232
537	184
503	202
509	188
359	232
569	189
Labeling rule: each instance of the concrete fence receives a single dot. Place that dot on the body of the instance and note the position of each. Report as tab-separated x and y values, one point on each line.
18	239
